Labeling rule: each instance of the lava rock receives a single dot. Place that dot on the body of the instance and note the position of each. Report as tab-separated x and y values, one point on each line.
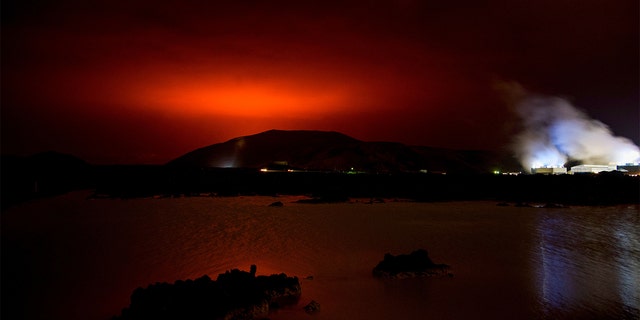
277	204
325	198
523	205
235	294
554	206
312	307
414	265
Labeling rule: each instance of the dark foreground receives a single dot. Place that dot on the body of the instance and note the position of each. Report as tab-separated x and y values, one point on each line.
70	257
234	295
239	294
163	181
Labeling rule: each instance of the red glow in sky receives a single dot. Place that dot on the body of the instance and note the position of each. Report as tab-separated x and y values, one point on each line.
144	82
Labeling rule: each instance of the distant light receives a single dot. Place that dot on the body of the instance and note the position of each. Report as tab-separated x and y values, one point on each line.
264	170
227	163
496	171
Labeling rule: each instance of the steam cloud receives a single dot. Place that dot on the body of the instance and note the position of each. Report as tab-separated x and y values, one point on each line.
555	132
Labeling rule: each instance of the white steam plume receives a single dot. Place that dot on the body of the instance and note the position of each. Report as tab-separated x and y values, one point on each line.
555	132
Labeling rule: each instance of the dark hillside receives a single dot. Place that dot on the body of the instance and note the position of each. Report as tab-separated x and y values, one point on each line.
332	151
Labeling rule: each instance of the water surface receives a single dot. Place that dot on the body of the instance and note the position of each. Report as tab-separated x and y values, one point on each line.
72	258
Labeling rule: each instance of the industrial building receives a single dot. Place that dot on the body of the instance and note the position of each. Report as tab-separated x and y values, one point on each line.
549	170
593	168
631	169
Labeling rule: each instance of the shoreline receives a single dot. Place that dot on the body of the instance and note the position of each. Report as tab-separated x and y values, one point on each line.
159	181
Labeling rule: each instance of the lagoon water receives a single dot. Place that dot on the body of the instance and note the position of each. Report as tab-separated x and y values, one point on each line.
72	258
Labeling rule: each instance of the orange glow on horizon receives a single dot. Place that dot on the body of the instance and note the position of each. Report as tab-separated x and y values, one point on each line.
254	99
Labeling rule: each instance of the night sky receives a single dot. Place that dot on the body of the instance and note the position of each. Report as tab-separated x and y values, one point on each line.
145	82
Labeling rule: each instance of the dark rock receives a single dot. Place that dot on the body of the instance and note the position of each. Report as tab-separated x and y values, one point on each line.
523	205
312	307
414	265
234	295
376	200
332	198
554	206
502	204
277	204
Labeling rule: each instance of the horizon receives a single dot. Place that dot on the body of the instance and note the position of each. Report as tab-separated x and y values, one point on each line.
145	82
230	140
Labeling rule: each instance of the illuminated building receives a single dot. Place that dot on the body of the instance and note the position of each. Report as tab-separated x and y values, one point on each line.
593	168
549	170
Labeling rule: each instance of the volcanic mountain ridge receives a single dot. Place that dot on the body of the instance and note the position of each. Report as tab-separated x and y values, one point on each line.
334	151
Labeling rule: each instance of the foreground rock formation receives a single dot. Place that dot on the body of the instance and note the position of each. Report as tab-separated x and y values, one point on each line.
312	308
234	295
414	265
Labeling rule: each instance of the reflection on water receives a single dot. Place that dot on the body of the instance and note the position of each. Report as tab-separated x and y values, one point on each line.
590	263
73	258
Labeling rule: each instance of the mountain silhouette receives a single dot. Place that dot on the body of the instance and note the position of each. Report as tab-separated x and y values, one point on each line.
334	151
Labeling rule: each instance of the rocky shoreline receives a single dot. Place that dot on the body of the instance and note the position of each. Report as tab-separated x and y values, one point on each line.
238	294
235	294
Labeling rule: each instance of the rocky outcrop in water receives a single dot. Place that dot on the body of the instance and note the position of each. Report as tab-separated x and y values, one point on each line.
312	308
236	295
325	198
551	205
414	265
